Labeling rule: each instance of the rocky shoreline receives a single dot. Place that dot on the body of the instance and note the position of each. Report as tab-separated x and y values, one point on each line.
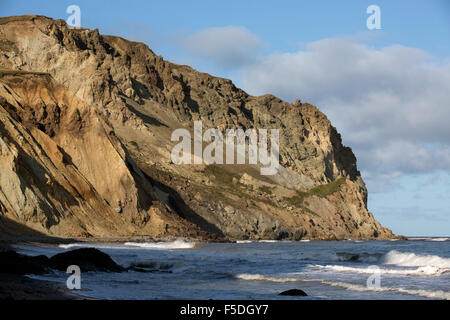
14	267
21	287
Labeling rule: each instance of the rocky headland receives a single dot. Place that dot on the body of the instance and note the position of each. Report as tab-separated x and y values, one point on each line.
85	144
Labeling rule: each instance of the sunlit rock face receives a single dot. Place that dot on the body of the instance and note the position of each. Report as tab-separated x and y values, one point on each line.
86	123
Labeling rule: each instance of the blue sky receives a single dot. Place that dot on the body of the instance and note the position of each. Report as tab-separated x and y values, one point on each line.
387	91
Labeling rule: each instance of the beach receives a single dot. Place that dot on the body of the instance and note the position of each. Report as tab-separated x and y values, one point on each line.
408	270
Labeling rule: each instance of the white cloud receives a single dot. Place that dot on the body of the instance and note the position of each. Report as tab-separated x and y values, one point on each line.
227	47
392	105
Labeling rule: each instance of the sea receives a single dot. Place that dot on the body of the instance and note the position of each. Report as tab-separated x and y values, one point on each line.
417	268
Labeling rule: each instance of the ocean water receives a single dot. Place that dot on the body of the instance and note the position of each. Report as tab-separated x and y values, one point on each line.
415	269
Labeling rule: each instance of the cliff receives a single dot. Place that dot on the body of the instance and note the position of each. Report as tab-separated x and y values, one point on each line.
86	123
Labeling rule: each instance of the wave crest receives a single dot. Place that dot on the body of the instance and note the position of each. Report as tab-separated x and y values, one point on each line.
438	294
178	244
260	277
406	259
421	271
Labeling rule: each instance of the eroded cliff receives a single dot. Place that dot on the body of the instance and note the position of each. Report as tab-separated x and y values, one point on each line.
102	113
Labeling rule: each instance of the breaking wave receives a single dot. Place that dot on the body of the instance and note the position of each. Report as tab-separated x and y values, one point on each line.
178	244
90	245
421	271
406	259
439	294
394	257
415	265
428	239
260	277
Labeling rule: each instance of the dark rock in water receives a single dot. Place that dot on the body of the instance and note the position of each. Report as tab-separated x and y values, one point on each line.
343	256
88	259
294	292
16	263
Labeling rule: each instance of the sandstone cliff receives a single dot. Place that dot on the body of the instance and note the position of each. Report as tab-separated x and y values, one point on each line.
85	143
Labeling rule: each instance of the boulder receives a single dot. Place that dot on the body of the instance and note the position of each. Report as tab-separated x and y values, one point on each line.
88	259
294	293
15	263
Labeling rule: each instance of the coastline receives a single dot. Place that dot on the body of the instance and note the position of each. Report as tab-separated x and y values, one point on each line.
43	239
21	287
24	287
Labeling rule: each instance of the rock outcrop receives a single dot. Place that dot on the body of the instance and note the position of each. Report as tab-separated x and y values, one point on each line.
87	259
86	123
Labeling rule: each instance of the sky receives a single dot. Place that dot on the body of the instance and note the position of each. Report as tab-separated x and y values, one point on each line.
387	90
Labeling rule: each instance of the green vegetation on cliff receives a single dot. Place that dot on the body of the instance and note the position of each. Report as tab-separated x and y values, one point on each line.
321	191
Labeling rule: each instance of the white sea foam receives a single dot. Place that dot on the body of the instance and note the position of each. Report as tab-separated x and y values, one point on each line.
421	271
244	241
88	245
428	239
260	277
415	265
407	259
178	244
68	246
438	294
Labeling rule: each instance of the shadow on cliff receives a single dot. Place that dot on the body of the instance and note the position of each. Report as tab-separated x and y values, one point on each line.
147	119
32	172
12	231
343	158
180	206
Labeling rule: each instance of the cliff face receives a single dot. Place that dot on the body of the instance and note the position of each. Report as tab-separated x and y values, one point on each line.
64	172
102	115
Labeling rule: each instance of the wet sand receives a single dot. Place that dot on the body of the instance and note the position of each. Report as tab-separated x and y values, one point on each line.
18	287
